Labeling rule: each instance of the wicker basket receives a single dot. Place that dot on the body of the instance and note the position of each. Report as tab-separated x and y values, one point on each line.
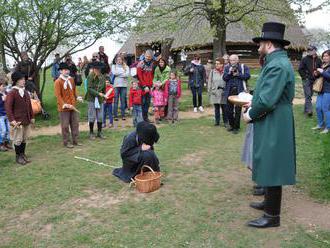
148	181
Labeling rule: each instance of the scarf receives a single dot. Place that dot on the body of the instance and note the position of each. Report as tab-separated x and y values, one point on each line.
196	62
66	81
219	70
20	90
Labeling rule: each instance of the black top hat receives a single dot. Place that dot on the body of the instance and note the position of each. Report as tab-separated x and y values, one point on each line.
273	31
96	65
63	66
147	133
17	76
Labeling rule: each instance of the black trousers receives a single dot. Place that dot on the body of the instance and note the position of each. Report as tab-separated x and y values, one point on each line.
234	115
273	198
217	113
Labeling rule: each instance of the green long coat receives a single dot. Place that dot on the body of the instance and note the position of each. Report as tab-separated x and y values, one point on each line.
274	148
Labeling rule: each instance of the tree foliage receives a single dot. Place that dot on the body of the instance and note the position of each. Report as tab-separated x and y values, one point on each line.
41	26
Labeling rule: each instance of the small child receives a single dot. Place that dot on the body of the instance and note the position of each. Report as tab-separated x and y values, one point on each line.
135	102
4	123
107	106
159	101
172	92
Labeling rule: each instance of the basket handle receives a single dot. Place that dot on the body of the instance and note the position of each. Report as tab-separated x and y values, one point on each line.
148	167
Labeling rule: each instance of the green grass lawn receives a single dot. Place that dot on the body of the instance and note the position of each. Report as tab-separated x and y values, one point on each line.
58	201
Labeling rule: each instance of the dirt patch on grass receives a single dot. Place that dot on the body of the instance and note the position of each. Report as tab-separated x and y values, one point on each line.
195	158
303	210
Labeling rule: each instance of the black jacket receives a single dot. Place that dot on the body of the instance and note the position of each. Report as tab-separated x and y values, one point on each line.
134	158
307	67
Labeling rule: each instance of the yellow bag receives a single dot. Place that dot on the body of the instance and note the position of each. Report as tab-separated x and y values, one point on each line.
318	85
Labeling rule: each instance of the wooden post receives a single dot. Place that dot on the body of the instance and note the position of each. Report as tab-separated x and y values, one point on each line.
166	48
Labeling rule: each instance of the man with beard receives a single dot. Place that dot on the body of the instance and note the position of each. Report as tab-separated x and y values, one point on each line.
145	74
274	151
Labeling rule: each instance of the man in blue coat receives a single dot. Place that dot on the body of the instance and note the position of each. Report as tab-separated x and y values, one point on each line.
274	149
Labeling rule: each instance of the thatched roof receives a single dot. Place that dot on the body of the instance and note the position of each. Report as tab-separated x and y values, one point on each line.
189	37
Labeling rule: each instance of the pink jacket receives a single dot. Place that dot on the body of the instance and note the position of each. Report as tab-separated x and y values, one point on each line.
158	98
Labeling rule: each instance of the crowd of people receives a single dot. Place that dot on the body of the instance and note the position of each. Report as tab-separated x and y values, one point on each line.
153	80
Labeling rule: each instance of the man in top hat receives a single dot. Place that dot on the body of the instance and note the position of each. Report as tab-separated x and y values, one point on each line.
20	115
274	151
95	95
307	70
66	94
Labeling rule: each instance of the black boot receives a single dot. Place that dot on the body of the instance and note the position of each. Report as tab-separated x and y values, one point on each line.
271	218
23	153
265	221
99	131
258	205
91	131
19	158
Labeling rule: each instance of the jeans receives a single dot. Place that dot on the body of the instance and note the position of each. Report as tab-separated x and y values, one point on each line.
145	106
323	110
137	114
120	92
217	113
107	110
4	129
197	93
234	117
308	92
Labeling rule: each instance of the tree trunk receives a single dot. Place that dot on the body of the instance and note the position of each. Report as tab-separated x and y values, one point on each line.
166	47
219	42
3	57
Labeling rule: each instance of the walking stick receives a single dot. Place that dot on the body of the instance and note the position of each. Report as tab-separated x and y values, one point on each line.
94	162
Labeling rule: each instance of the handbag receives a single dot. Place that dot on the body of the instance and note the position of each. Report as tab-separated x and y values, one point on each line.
36	106
318	85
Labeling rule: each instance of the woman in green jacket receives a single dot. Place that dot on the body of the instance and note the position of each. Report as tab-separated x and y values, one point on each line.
95	96
162	72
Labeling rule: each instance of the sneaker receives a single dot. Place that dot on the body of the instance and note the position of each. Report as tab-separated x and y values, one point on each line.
3	148
325	131
201	109
68	146
316	128
110	126
92	136
100	135
195	110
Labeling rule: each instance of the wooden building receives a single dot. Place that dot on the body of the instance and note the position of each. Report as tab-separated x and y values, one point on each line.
197	38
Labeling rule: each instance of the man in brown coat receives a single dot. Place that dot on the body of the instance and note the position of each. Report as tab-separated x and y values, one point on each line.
20	115
65	92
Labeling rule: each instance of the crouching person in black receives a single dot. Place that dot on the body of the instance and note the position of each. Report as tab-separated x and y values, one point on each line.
137	150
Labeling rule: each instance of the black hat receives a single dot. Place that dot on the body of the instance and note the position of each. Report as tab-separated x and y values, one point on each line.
147	133
272	31
63	66
96	65
311	48
16	76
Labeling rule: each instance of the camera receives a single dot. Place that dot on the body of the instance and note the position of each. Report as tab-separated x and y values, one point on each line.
234	69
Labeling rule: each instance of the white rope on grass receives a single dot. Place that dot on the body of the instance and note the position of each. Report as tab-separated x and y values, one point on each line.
94	162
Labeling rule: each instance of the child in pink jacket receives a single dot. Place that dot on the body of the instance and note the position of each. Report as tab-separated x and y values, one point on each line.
159	101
